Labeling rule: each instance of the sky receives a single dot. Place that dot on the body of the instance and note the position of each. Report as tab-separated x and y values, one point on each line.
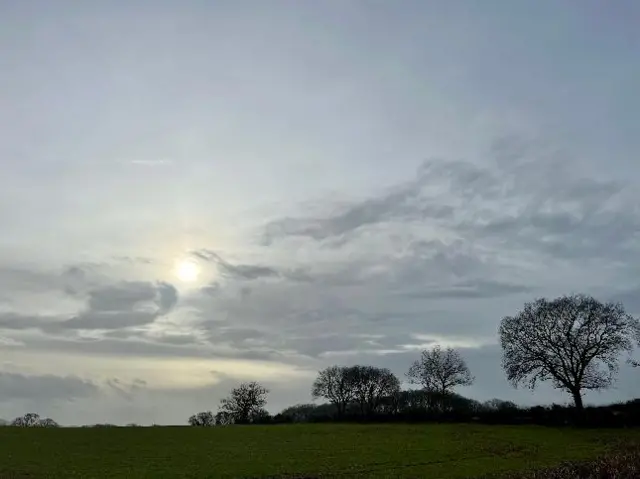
195	194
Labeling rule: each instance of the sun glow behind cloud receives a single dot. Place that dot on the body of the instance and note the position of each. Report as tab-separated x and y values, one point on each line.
187	271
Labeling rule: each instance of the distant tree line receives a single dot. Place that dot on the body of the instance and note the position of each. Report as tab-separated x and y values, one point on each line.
574	342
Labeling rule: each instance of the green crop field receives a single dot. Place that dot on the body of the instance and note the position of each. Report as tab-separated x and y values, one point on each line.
330	450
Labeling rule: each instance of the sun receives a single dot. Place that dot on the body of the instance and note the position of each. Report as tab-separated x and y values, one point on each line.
187	271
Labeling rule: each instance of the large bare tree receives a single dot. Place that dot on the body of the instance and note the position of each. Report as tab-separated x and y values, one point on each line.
245	403
335	383
371	385
440	370
574	341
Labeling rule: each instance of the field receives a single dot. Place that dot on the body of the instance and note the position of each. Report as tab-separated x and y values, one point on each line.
435	451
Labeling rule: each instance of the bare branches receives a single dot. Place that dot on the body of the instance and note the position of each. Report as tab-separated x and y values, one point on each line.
245	402
573	341
365	385
440	370
333	383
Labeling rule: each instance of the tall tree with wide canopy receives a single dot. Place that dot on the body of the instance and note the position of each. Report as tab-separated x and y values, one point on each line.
573	341
371	385
245	403
335	383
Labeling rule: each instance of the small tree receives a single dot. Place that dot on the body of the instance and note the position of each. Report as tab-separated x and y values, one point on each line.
245	403
573	341
223	418
440	371
47	422
334	383
202	419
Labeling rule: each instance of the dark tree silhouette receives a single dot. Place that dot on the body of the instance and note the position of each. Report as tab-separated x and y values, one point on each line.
223	418
370	385
335	384
47	422
32	419
440	371
573	341
245	403
203	419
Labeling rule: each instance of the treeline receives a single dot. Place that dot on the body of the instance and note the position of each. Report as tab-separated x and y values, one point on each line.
414	406
574	342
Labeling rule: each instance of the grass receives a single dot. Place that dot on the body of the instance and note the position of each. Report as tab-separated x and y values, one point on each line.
327	450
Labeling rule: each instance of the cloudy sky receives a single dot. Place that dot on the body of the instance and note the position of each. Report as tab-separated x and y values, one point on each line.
195	193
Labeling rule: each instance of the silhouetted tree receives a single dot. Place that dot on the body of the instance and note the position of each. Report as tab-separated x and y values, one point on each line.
202	419
32	419
261	416
499	405
573	341
440	371
335	384
297	413
245	403
223	418
370	385
47	422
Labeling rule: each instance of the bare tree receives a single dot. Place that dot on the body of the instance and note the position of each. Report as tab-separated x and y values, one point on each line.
202	419
47	422
370	385
31	419
440	371
245	403
636	364
223	418
335	384
573	341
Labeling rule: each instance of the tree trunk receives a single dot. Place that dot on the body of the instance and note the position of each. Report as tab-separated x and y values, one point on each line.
577	399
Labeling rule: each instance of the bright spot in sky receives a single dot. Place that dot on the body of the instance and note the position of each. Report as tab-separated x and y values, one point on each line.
187	271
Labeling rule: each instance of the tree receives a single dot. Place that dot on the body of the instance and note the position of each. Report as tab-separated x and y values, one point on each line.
202	419
500	405
245	403
30	419
440	371
574	341
33	419
47	422
370	385
223	418
335	384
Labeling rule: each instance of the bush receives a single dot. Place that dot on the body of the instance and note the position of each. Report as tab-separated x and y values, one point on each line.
623	464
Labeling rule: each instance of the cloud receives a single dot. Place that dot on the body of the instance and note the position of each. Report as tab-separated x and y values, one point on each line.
15	386
235	271
473	289
115	306
124	304
526	199
125	390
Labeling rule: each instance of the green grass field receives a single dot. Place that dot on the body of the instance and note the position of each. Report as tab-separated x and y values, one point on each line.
446	451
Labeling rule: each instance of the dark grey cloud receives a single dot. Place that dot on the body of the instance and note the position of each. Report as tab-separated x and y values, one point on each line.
247	272
125	390
472	289
124	304
236	271
527	199
111	307
15	386
398	203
